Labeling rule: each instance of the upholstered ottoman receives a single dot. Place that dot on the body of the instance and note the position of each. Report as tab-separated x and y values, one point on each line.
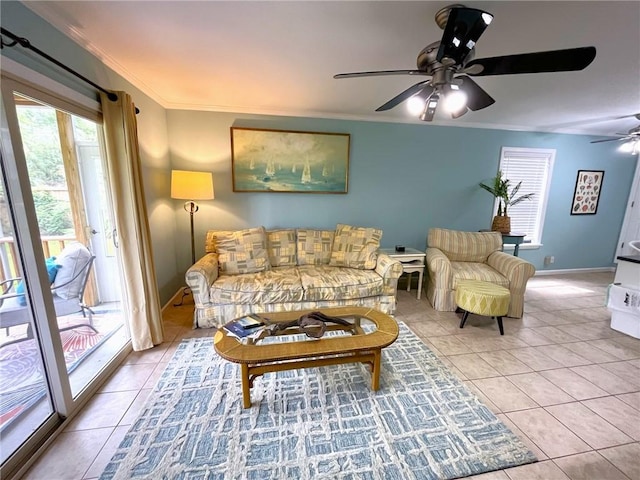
482	298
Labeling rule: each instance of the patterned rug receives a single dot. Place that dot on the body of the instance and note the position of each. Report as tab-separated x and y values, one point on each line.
325	422
21	370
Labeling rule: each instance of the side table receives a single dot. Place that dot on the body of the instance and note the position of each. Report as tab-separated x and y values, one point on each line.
513	238
412	261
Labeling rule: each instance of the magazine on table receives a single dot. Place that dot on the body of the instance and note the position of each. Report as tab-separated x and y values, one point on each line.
248	326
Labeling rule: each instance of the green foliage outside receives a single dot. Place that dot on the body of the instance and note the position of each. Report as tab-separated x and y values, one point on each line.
41	142
54	216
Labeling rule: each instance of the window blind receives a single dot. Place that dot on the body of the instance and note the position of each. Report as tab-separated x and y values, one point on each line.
533	168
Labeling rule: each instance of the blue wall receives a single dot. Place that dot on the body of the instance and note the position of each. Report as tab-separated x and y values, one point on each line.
407	178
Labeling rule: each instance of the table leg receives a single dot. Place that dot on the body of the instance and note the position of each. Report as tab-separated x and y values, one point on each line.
375	374
409	278
246	388
419	284
515	250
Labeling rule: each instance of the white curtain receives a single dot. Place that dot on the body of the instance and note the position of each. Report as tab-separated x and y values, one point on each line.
140	293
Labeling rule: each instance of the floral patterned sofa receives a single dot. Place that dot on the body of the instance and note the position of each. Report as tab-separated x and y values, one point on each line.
453	256
260	271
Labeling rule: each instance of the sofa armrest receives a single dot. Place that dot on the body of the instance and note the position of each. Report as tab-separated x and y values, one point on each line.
388	267
439	268
390	270
201	276
517	270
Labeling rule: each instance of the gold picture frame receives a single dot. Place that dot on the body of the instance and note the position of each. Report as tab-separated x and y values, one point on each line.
289	161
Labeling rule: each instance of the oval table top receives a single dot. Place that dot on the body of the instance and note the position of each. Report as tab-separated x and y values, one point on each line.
385	333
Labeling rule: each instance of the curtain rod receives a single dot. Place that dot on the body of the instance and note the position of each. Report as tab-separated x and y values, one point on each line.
23	42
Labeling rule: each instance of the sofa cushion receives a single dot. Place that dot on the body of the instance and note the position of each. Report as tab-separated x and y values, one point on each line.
355	247
210	242
324	282
242	251
465	246
72	259
281	246
278	285
314	246
476	271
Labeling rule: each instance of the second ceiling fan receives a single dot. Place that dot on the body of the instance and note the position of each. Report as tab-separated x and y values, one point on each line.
631	139
450	63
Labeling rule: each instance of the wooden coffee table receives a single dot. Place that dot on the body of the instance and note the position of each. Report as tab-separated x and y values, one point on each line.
361	347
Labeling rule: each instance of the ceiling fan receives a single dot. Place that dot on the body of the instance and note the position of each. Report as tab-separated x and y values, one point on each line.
450	64
631	139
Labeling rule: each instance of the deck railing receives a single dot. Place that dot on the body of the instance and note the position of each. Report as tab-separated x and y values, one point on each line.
51	246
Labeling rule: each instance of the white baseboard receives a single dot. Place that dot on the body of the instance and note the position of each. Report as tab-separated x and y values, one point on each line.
574	270
173	299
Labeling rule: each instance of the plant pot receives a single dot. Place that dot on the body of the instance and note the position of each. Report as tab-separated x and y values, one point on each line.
501	223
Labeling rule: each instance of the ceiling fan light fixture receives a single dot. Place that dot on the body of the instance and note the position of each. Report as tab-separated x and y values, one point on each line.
632	147
430	108
415	105
455	99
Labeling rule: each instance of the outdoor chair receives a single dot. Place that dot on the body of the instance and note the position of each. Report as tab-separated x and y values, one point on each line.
75	262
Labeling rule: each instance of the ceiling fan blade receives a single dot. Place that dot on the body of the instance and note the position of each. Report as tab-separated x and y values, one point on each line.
610	140
464	28
409	92
551	61
379	73
477	98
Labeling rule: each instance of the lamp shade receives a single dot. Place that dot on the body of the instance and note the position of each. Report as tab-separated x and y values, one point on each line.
187	185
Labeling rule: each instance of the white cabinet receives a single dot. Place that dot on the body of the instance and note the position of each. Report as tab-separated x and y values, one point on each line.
624	296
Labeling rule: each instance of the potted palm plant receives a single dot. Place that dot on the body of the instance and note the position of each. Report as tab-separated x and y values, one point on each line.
507	197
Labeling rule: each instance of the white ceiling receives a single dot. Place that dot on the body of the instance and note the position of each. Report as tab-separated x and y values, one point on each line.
279	57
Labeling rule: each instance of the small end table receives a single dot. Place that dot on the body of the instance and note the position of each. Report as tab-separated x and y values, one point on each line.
513	238
412	260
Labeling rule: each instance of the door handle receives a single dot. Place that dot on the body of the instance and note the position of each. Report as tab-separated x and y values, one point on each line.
114	237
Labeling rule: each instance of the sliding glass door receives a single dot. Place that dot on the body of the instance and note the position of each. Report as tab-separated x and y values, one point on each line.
60	316
24	389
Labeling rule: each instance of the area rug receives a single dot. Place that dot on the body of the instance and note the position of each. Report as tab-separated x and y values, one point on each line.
21	370
325	422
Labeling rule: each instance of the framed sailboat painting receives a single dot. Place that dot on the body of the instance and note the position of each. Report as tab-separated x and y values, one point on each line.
289	161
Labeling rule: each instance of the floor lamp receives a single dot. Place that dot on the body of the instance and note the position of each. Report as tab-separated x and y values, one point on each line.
191	186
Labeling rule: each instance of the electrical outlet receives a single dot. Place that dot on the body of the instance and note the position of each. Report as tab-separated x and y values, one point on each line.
549	259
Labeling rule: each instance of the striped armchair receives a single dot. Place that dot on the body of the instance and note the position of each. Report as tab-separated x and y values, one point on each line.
453	256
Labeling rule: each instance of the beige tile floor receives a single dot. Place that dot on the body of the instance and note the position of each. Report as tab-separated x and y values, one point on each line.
560	378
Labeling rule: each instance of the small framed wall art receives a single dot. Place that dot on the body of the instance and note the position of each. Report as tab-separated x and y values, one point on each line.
289	161
587	192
